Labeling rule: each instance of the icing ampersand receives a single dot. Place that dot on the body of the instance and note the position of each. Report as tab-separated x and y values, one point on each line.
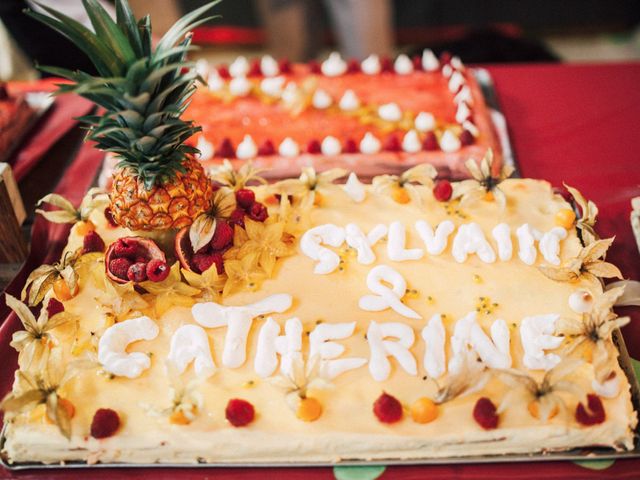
386	297
191	343
112	353
238	322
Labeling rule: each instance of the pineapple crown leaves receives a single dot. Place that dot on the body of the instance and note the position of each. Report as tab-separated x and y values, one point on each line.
144	91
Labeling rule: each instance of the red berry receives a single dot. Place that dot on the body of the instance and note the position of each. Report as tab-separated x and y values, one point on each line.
284	65
54	307
314	147
254	69
223	235
442	190
223	71
266	148
245	198
350	146
92	242
430	142
387	408
484	413
258	212
314	67
105	423
109	216
467	138
226	149
353	66
386	65
237	217
239	412
120	267
202	262
595	413
417	62
125	248
445	57
137	272
157	270
391	144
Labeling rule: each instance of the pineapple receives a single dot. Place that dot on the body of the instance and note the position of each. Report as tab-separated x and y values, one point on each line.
158	184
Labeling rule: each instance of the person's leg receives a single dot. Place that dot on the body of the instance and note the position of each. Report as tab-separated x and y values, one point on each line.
362	27
290	33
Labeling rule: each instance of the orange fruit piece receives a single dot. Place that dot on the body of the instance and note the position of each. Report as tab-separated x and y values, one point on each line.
565	217
424	410
61	289
178	417
489	196
67	405
83	227
309	409
400	195
534	410
318	199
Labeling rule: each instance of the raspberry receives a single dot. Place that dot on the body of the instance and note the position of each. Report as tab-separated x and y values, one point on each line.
284	65
202	262
417	62
314	147
237	217
350	146
445	57
119	267
258	212
137	272
314	67
245	198
223	71
239	412
442	190
105	423
254	69
595	413
386	65
484	413
266	148
226	149
157	270
54	307
467	138
109	216
222	236
430	142
92	242
125	248
387	408
391	144
353	66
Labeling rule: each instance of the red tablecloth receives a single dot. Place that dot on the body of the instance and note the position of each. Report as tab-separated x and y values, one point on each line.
577	124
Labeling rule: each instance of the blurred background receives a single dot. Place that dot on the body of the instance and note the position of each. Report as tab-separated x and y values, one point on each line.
487	31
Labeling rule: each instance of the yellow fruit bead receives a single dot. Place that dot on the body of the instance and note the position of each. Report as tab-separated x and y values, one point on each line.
489	197
67	405
178	417
534	410
400	195
309	409
565	218
83	227
424	410
62	291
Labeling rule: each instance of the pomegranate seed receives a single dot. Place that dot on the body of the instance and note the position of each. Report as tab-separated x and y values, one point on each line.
157	270
245	198
484	412
442	190
105	423
595	413
120	267
239	412
92	242
387	408
223	235
137	272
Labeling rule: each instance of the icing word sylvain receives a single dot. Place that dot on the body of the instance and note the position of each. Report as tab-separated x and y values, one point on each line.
468	240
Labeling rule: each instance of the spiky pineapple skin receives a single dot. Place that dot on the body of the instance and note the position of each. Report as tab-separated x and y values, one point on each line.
172	205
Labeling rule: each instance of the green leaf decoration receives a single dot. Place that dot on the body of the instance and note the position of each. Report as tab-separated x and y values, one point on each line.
358	473
595	464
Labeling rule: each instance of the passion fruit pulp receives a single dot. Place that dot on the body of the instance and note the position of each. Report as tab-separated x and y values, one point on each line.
125	257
